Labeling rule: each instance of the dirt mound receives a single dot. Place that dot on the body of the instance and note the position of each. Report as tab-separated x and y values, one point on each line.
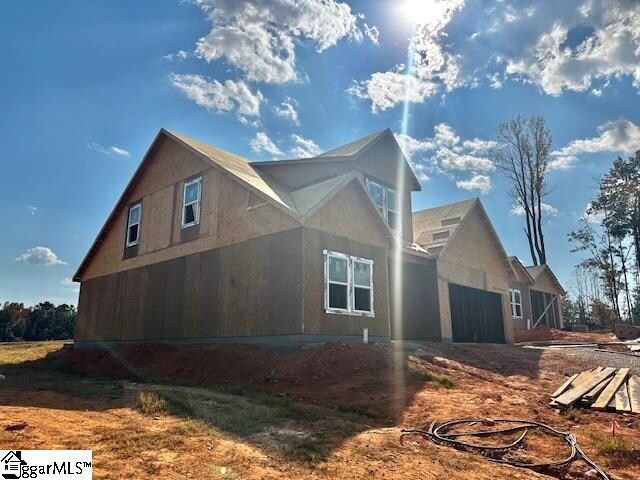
542	334
333	374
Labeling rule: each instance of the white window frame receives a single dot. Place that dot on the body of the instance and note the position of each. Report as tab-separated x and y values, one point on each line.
366	313
196	202
133	207
350	310
385	203
512	297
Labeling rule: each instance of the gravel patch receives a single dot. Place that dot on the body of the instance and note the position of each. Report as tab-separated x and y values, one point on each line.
602	359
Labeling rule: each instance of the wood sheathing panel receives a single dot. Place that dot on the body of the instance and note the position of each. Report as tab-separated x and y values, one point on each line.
525	295
385	161
316	320
225	218
350	213
250	288
419	316
474	259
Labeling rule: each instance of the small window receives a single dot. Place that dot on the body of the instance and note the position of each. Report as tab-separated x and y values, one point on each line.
386	199
133	224
377	194
516	303
338	279
191	202
362	285
392	208
348	284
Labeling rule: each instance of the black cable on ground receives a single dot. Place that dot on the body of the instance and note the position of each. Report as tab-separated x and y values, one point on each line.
440	434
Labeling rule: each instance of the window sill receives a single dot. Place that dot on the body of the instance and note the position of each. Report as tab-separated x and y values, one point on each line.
352	313
190	225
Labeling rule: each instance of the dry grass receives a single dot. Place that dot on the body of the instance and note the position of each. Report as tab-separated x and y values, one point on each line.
150	403
616	450
570	414
18	352
420	373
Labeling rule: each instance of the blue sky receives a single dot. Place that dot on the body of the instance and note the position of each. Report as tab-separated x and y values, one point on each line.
87	85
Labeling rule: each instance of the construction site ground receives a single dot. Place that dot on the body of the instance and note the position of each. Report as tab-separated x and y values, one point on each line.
333	411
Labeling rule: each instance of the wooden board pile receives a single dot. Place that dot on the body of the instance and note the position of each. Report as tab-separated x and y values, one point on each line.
600	389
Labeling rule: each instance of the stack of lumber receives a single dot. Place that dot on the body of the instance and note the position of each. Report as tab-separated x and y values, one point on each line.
600	389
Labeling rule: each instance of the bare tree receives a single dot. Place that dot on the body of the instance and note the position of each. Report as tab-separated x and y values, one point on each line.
522	156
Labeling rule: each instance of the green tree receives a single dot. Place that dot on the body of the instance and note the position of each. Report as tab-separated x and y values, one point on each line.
13	317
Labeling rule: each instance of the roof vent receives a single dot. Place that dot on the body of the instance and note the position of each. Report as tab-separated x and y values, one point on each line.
441	235
450	221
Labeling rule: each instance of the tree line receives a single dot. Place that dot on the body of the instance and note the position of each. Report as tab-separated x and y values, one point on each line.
606	283
44	321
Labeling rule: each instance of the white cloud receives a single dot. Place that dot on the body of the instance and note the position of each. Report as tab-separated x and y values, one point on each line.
616	136
259	37
562	162
609	48
32	209
220	97
592	217
373	33
432	67
179	55
287	110
546	208
482	183
573	45
445	153
303	147
112	150
40	256
262	143
70	284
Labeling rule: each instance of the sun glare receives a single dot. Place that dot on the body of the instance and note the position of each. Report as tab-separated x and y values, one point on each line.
424	12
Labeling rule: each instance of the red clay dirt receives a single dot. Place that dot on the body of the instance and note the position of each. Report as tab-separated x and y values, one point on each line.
543	333
489	381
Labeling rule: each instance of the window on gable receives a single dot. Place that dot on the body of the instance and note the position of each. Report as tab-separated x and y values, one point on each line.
133	224
386	199
348	284
516	302
191	202
377	194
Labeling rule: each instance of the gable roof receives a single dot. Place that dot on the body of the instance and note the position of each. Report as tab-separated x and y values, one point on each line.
351	153
355	147
536	270
519	267
435	228
298	203
428	222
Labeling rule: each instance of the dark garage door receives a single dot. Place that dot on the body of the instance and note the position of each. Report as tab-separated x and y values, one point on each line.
476	315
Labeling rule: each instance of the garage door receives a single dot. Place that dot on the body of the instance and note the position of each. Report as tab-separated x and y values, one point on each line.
476	315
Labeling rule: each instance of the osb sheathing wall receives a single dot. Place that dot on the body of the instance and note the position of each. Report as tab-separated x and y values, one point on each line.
345	224
316	319
376	163
544	283
419	314
225	218
250	288
472	259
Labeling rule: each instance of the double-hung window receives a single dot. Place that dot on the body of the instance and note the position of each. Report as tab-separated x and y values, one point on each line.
191	202
516	302
133	224
386	199
348	284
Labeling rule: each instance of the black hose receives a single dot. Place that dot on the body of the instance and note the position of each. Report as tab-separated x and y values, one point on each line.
439	433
